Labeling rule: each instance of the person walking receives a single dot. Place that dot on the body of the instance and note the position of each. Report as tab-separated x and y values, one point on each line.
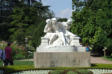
0	53
8	55
2	56
87	48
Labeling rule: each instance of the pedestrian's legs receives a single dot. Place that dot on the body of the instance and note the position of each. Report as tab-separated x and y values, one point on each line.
5	62
11	62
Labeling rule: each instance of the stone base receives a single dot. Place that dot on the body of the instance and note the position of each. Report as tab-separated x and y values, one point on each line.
61	59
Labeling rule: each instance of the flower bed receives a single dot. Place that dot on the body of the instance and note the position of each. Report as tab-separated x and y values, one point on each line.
24	68
86	71
89	71
101	71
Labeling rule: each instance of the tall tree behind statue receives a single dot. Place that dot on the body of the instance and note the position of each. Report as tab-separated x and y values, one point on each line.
27	21
6	8
93	23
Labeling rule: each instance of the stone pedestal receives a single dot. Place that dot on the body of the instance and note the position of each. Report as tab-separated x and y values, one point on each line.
61	59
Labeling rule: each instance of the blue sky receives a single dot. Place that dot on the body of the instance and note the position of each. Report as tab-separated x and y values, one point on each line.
61	8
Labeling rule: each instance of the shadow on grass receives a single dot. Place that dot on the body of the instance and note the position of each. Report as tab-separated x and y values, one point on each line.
93	65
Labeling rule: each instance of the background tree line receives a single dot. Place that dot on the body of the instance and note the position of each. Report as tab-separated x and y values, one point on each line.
92	21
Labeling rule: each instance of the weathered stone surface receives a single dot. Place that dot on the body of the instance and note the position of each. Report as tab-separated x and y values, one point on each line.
61	59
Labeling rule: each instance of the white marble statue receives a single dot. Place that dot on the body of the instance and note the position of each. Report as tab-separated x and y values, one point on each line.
58	36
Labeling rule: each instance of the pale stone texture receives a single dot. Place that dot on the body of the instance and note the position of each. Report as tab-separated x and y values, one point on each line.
61	59
58	36
60	48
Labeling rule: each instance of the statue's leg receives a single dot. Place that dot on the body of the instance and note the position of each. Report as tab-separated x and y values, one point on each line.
53	38
61	35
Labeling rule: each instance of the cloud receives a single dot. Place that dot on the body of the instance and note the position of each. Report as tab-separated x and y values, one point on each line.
66	13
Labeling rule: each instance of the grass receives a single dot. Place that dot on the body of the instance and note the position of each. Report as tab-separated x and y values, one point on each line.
108	58
101	66
28	65
16	62
18	66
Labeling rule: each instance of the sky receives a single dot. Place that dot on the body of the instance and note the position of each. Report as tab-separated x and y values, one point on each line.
61	8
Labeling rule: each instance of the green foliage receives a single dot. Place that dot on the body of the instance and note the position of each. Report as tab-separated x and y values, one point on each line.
3	45
62	19
28	65
71	72
18	52
77	4
12	69
5	18
37	34
19	56
84	71
24	21
77	71
102	66
20	63
93	24
108	57
28	22
56	72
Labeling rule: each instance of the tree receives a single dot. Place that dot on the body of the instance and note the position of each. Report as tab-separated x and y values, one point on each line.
62	19
29	21
6	9
78	4
93	23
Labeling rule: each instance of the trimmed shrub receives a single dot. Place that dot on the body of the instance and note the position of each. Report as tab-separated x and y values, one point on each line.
82	71
72	72
56	72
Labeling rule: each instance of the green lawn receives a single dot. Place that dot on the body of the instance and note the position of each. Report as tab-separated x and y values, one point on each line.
29	65
18	66
16	62
108	58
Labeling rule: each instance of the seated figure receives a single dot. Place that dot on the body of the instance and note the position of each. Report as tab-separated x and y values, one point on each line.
57	32
58	37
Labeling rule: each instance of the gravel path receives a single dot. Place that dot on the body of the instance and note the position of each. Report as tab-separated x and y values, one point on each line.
100	60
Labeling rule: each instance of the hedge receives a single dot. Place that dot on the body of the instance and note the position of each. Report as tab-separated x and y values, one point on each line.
16	68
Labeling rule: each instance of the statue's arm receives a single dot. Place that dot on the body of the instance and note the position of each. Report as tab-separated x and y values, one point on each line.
47	28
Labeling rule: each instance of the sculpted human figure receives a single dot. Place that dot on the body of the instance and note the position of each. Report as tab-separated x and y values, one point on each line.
60	31
48	28
57	32
50	31
58	37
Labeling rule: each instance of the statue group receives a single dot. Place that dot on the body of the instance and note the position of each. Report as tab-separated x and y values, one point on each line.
58	35
60	48
57	32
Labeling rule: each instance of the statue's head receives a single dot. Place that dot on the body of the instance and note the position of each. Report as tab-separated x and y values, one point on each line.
69	21
54	20
48	21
